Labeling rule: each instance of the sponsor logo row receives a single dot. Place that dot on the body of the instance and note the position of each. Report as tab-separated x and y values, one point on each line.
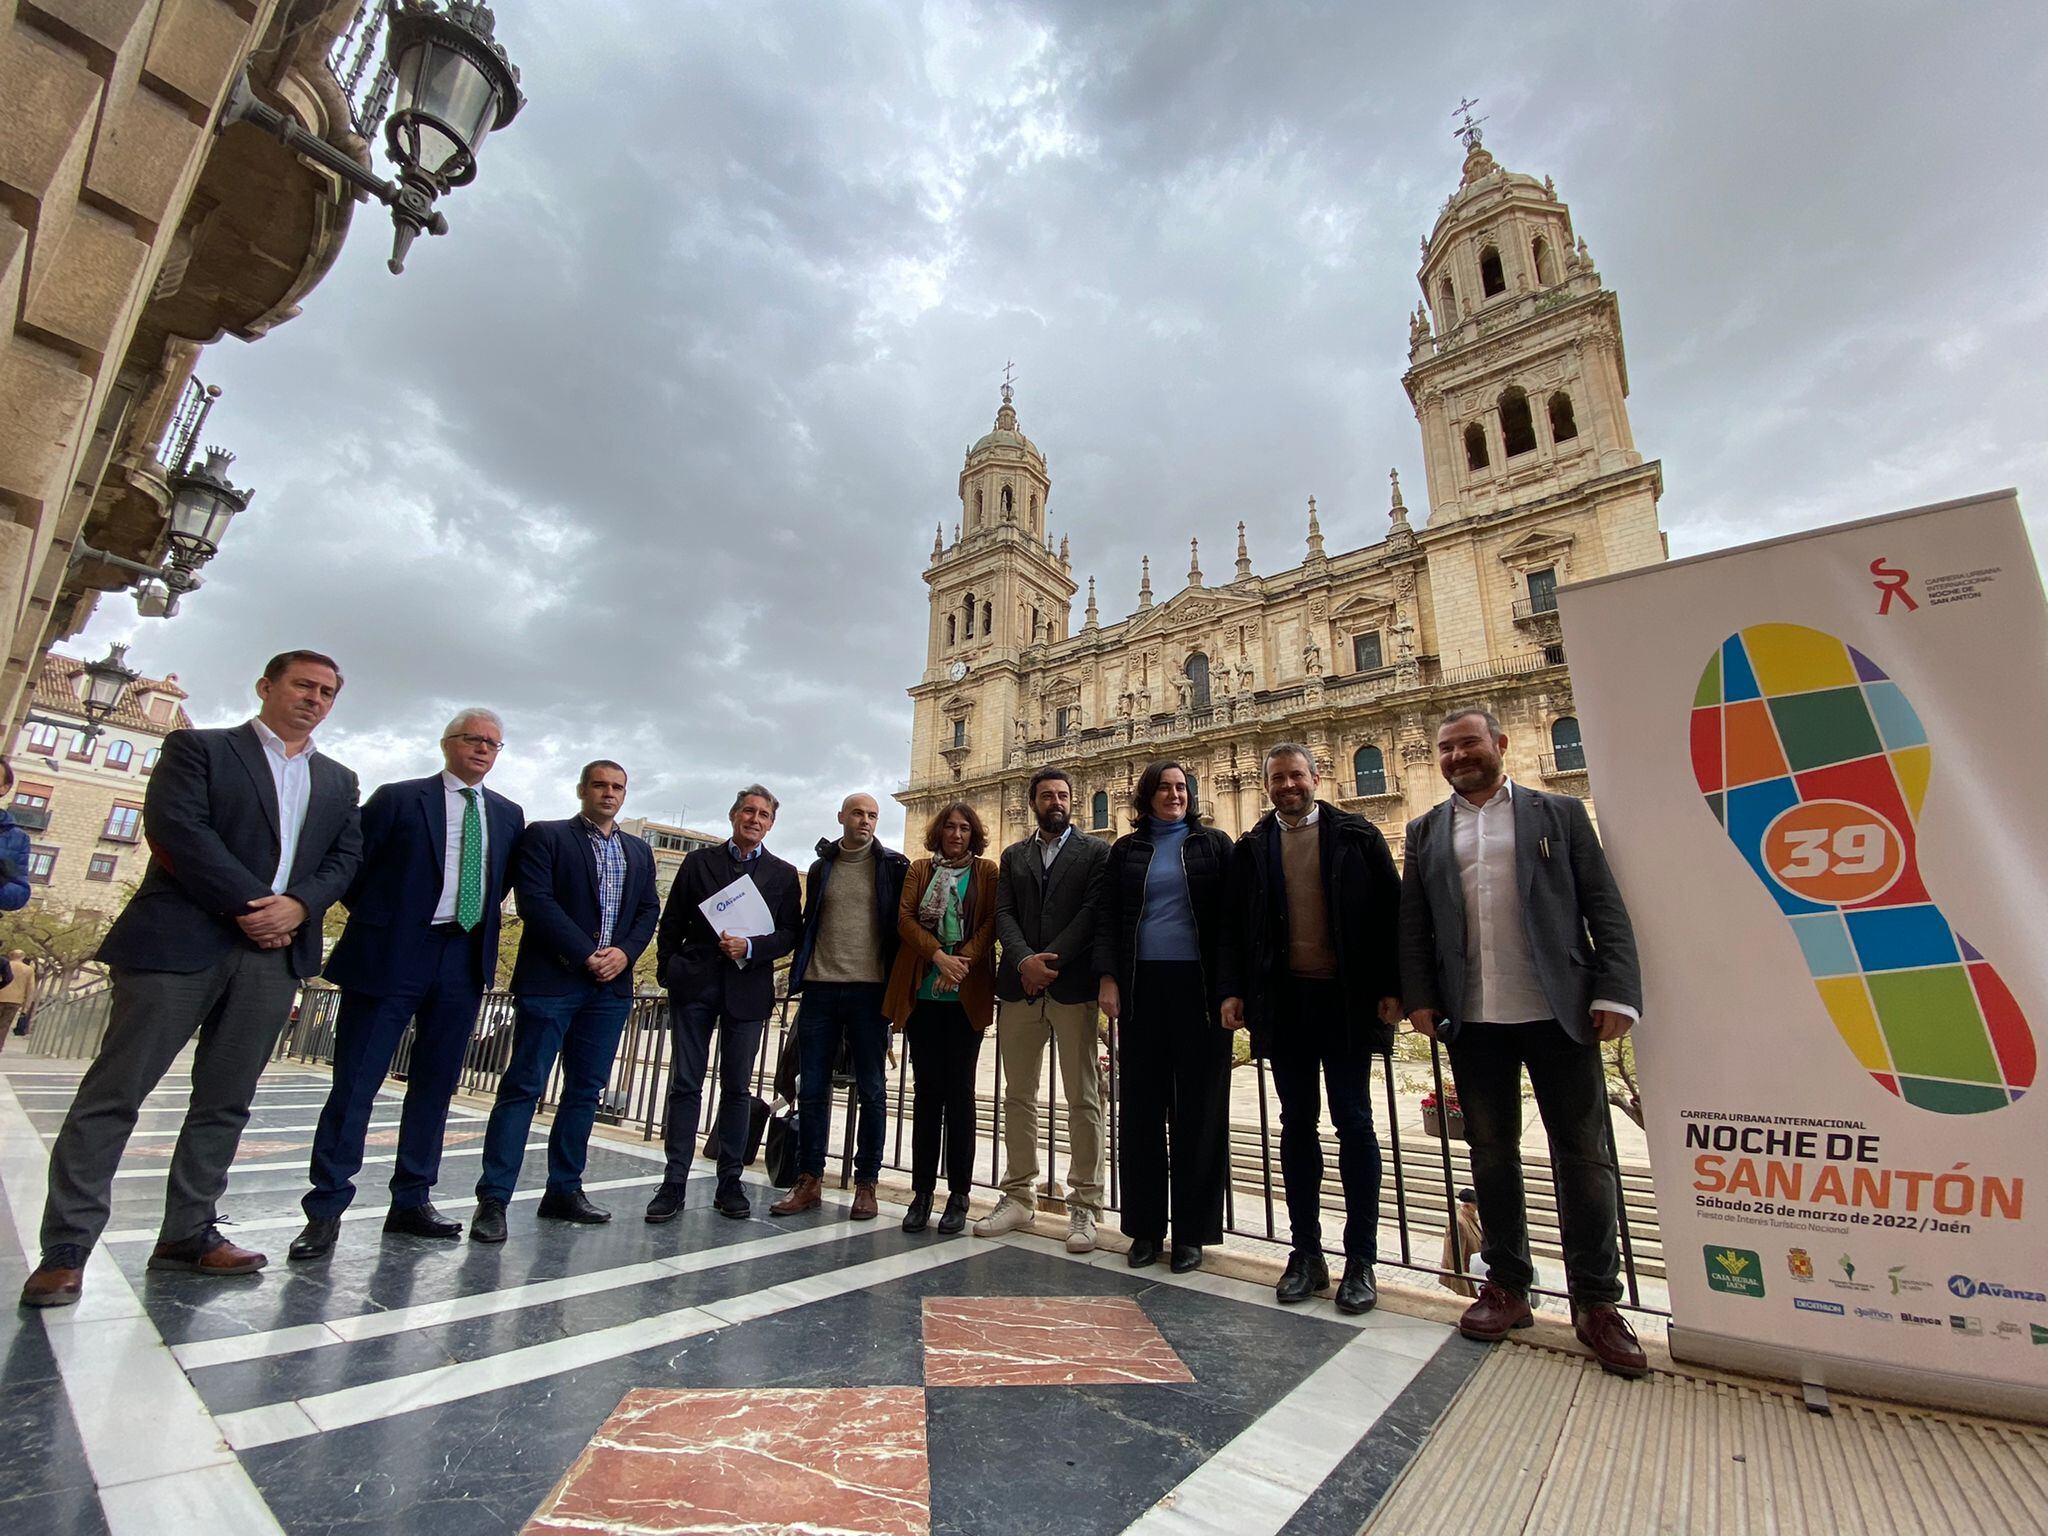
1740	1272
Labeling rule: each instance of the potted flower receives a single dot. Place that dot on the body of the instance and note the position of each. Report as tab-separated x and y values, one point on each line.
1445	1119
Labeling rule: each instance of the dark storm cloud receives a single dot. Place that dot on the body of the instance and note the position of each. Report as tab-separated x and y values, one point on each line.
648	452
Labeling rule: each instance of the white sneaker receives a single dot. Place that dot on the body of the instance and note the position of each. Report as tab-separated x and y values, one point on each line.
1008	1216
1081	1231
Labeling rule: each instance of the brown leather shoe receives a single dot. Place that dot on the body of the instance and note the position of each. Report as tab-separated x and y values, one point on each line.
208	1254
58	1280
1494	1314
808	1195
1606	1332
864	1208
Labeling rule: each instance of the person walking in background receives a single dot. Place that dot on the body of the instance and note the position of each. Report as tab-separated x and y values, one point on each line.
588	908
1317	979
1517	951
942	996
15	993
15	854
1048	898
724	983
841	966
253	833
1160	947
420	947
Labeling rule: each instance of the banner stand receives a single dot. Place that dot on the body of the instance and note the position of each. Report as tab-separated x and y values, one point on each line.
1818	764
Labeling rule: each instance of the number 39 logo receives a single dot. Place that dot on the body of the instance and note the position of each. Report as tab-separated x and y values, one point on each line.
1833	852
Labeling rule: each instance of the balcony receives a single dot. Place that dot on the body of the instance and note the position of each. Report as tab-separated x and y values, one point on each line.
30	818
1537	614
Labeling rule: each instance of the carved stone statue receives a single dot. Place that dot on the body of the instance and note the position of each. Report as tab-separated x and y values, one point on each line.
1312	659
1182	694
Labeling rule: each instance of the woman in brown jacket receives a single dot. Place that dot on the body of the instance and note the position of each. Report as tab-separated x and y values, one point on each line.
942	996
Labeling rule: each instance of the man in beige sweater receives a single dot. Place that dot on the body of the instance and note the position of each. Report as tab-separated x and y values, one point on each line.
841	962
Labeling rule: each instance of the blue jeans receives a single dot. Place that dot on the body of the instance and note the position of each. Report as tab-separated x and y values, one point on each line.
828	1010
583	1028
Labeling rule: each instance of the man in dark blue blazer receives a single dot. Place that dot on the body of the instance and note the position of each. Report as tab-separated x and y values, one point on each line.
587	908
253	833
420	947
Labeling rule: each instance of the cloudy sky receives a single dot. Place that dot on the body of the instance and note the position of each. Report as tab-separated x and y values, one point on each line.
647	453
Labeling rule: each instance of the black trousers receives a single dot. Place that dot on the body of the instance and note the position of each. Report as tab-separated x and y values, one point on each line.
1571	1095
1173	1066
1313	1039
944	1051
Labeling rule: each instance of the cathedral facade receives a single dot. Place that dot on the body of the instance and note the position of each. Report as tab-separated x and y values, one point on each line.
1519	386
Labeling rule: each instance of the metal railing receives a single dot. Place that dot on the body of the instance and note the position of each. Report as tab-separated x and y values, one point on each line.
1418	1198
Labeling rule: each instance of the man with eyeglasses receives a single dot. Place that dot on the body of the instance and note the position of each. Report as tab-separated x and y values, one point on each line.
420	947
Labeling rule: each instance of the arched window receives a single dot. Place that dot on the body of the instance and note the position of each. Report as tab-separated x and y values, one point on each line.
1565	745
119	755
959	731
1544	262
952	630
1198	681
1034	626
977	509
43	738
1369	771
1098	810
1009	505
967	618
1446	305
1563	425
1491	279
1365	651
1517	423
988	614
1475	446
1194	796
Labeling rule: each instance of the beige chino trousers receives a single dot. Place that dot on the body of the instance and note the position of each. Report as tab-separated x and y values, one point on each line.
1021	1032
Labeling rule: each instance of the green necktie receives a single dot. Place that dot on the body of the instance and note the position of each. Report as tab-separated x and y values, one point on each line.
469	880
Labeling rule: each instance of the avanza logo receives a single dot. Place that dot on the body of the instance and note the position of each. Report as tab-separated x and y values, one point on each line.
1967	1288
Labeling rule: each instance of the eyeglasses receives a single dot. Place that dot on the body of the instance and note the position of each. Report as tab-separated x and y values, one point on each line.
488	743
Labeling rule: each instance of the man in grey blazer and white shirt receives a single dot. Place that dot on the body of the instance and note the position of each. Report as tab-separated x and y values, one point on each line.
1049	890
253	833
1516	951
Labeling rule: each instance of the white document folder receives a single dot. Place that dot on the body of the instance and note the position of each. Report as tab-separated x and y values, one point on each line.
738	910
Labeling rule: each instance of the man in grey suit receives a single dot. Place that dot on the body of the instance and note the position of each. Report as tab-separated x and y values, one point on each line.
252	835
1049	889
1516	951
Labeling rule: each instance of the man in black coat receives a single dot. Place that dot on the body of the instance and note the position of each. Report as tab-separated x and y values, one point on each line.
420	947
587	909
252	835
1048	901
841	966
1317	977
1516	950
723	981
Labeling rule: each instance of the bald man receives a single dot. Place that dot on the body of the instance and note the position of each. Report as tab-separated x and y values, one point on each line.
842	960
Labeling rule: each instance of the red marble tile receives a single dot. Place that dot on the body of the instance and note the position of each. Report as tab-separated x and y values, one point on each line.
1040	1341
751	1461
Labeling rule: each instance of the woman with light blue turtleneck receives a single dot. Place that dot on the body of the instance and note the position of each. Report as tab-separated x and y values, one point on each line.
1160	948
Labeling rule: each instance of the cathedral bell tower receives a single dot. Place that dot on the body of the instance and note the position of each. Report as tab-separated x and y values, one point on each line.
1516	369
998	589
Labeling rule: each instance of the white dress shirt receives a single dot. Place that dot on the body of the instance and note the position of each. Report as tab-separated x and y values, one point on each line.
1048	851
291	774
451	853
1501	984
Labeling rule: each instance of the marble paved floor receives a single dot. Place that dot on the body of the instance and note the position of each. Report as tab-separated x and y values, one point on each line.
706	1375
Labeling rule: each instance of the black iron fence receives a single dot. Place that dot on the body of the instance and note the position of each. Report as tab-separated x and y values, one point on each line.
1418	1199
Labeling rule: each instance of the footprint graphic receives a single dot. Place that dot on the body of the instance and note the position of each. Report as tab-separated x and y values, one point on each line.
1816	765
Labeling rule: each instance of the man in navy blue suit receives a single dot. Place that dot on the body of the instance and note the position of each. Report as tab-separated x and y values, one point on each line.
587	902
420	946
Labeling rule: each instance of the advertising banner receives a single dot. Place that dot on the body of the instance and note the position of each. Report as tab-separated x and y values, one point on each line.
1820	766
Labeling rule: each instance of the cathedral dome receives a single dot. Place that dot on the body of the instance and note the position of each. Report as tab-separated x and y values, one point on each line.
1005	433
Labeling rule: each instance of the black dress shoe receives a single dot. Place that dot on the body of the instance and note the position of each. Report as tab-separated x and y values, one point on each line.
317	1241
1306	1274
422	1220
666	1205
1144	1253
488	1224
919	1216
1356	1293
732	1203
955	1217
1186	1256
571	1205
